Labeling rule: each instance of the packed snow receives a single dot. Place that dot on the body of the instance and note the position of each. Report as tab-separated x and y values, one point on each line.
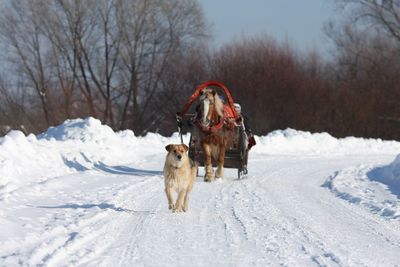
373	186
81	194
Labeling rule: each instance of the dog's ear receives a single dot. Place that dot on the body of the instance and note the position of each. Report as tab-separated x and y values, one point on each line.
169	147
186	147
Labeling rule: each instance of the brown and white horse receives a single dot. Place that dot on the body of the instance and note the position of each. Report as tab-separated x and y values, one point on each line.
212	132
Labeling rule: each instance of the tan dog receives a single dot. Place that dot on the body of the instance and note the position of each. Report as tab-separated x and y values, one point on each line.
180	173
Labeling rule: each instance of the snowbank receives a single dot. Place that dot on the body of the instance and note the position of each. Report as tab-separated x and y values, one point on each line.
24	158
76	145
377	188
389	175
86	130
86	144
291	141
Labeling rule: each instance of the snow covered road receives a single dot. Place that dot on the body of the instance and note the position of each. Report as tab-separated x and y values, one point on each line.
282	214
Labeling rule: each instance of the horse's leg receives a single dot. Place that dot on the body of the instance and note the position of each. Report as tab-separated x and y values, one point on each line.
207	163
221	158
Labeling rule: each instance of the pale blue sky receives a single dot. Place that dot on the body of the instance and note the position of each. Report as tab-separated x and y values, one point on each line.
298	21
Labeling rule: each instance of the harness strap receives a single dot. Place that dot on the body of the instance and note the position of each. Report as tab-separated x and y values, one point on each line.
210	129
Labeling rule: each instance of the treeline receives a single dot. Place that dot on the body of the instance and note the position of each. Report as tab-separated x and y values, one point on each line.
279	88
101	58
133	64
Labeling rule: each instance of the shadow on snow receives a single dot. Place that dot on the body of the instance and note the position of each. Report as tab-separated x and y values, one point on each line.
124	170
102	206
121	170
381	175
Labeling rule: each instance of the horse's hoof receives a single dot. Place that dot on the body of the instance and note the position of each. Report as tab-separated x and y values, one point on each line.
219	173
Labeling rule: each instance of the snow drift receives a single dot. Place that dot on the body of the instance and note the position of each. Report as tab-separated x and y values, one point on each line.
79	144
291	141
375	187
389	175
75	145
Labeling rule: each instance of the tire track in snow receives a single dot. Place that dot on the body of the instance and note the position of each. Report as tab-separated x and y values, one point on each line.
237	242
240	217
274	235
132	252
287	231
127	228
113	220
327	228
78	236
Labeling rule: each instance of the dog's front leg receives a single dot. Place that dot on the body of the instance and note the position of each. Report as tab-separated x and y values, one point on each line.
168	192
186	202
179	202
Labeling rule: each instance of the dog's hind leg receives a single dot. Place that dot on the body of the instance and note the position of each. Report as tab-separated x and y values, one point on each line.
168	192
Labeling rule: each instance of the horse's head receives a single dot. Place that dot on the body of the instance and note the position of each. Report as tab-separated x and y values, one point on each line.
211	107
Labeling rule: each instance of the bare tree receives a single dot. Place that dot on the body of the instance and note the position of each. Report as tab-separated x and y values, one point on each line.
111	53
71	28
20	29
366	65
13	108
153	32
383	15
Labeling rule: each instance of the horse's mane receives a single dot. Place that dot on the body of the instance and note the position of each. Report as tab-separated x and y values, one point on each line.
219	105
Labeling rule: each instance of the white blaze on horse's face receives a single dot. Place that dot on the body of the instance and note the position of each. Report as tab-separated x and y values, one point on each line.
205	109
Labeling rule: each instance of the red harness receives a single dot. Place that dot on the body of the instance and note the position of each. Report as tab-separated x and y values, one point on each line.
227	120
230	115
